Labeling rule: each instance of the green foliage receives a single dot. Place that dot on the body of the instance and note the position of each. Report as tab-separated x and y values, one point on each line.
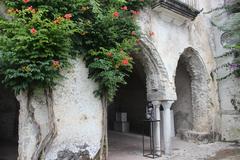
109	67
104	32
34	49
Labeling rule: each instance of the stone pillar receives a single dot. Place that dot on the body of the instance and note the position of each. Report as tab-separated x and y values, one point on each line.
173	125
167	126
156	126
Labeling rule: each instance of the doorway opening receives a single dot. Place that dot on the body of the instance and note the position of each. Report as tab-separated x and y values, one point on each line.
126	114
9	113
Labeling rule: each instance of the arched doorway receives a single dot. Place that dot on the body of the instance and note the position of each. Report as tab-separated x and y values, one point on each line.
191	110
9	112
125	116
158	88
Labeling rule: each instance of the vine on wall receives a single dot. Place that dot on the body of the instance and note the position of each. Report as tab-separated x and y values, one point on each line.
40	37
227	19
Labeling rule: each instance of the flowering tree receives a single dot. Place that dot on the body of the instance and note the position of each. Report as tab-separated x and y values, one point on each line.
49	33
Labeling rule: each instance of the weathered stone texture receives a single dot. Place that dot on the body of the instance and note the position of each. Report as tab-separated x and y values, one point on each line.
82	154
228	90
230	127
170	42
78	113
78	117
27	131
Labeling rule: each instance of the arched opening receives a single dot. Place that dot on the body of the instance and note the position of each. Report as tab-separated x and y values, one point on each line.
126	114
156	87
191	110
9	112
183	110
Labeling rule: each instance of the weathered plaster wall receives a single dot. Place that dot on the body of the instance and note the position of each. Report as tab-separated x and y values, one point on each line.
78	117
229	93
171	40
78	114
27	130
183	109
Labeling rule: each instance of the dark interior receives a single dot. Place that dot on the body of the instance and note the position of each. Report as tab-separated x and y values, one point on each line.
9	113
131	98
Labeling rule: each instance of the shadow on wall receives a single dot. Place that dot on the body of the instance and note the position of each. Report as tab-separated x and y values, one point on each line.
131	98
183	114
9	113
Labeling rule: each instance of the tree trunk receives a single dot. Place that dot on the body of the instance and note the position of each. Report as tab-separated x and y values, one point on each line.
44	143
103	153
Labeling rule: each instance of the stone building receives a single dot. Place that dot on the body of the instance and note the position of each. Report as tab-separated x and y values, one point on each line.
174	71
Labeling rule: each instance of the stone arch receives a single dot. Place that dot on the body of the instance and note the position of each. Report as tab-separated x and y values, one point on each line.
157	79
199	89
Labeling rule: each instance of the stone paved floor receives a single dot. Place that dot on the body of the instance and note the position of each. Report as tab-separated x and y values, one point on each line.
129	147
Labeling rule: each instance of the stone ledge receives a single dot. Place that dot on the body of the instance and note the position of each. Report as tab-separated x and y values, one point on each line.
199	137
230	112
177	7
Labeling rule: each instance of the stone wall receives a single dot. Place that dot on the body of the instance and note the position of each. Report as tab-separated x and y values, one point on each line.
229	93
78	118
171	40
183	109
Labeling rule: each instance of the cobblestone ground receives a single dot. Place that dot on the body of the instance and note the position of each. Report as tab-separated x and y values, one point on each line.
129	147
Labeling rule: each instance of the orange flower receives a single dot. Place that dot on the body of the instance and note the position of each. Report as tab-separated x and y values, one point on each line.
125	61
116	14
30	8
68	16
135	12
33	31
124	8
26	1
151	34
56	64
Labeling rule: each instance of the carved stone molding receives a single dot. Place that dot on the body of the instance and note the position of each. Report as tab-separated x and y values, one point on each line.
175	11
158	83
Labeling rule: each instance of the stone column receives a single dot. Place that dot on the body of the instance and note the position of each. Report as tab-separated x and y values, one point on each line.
173	125
167	126
156	126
